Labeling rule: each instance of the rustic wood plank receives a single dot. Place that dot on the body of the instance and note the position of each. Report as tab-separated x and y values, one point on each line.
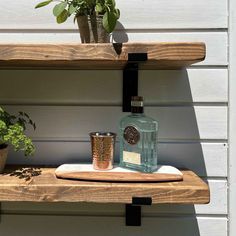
216	42
41	185
218	205
101	56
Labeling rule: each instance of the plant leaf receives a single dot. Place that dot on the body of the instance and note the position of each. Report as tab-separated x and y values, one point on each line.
109	21
72	9
25	114
42	4
62	17
111	3
117	12
99	8
12	117
114	3
59	8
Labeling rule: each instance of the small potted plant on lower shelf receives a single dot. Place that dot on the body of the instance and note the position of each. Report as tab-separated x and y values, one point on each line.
12	132
95	18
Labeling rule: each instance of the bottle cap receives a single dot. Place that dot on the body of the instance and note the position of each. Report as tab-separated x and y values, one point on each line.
137	101
137	104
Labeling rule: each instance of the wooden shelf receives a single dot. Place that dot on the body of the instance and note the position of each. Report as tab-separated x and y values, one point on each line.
41	185
100	56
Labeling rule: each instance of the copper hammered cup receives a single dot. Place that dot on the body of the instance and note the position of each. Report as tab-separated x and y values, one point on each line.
103	150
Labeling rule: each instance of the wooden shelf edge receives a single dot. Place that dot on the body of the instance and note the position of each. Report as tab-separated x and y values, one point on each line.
34	184
100	56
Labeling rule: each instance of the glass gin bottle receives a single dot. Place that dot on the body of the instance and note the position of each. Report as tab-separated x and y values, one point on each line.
138	139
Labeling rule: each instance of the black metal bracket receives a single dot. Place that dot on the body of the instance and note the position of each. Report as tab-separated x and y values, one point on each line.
133	212
130	78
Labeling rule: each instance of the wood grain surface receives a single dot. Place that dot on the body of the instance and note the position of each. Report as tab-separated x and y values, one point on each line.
119	176
41	185
101	56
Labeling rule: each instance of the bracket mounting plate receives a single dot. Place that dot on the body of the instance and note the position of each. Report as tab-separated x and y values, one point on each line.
134	210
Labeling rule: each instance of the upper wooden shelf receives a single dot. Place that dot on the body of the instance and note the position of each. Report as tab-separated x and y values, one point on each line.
41	185
100	56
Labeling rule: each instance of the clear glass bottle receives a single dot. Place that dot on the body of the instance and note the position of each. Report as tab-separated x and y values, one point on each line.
138	139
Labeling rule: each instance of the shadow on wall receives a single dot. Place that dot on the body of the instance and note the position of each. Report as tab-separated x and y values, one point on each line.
185	153
87	225
120	36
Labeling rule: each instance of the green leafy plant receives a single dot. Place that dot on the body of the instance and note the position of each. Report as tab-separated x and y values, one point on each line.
66	8
12	131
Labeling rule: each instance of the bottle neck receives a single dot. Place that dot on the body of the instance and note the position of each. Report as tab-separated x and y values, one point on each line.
137	110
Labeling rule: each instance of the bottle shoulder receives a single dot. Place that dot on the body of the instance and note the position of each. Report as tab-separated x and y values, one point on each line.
138	120
141	118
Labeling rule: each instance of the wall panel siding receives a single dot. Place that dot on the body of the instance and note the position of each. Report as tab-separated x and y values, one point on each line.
74	87
177	123
232	120
151	14
206	159
66	225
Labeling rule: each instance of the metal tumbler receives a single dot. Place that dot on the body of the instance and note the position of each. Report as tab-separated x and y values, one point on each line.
103	150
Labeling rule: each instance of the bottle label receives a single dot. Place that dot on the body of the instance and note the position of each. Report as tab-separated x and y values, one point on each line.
132	157
131	135
137	103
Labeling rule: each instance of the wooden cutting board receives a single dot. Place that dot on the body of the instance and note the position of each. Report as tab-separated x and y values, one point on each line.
117	174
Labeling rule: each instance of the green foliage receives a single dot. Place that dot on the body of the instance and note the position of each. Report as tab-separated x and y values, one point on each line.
62	17
59	8
12	130
42	4
66	8
109	21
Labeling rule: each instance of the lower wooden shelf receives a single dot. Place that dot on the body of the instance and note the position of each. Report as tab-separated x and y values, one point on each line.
36	184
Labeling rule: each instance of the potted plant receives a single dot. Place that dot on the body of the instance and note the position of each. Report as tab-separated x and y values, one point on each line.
12	132
96	18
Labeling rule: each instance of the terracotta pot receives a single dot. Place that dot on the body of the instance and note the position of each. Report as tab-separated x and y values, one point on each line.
92	30
3	157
